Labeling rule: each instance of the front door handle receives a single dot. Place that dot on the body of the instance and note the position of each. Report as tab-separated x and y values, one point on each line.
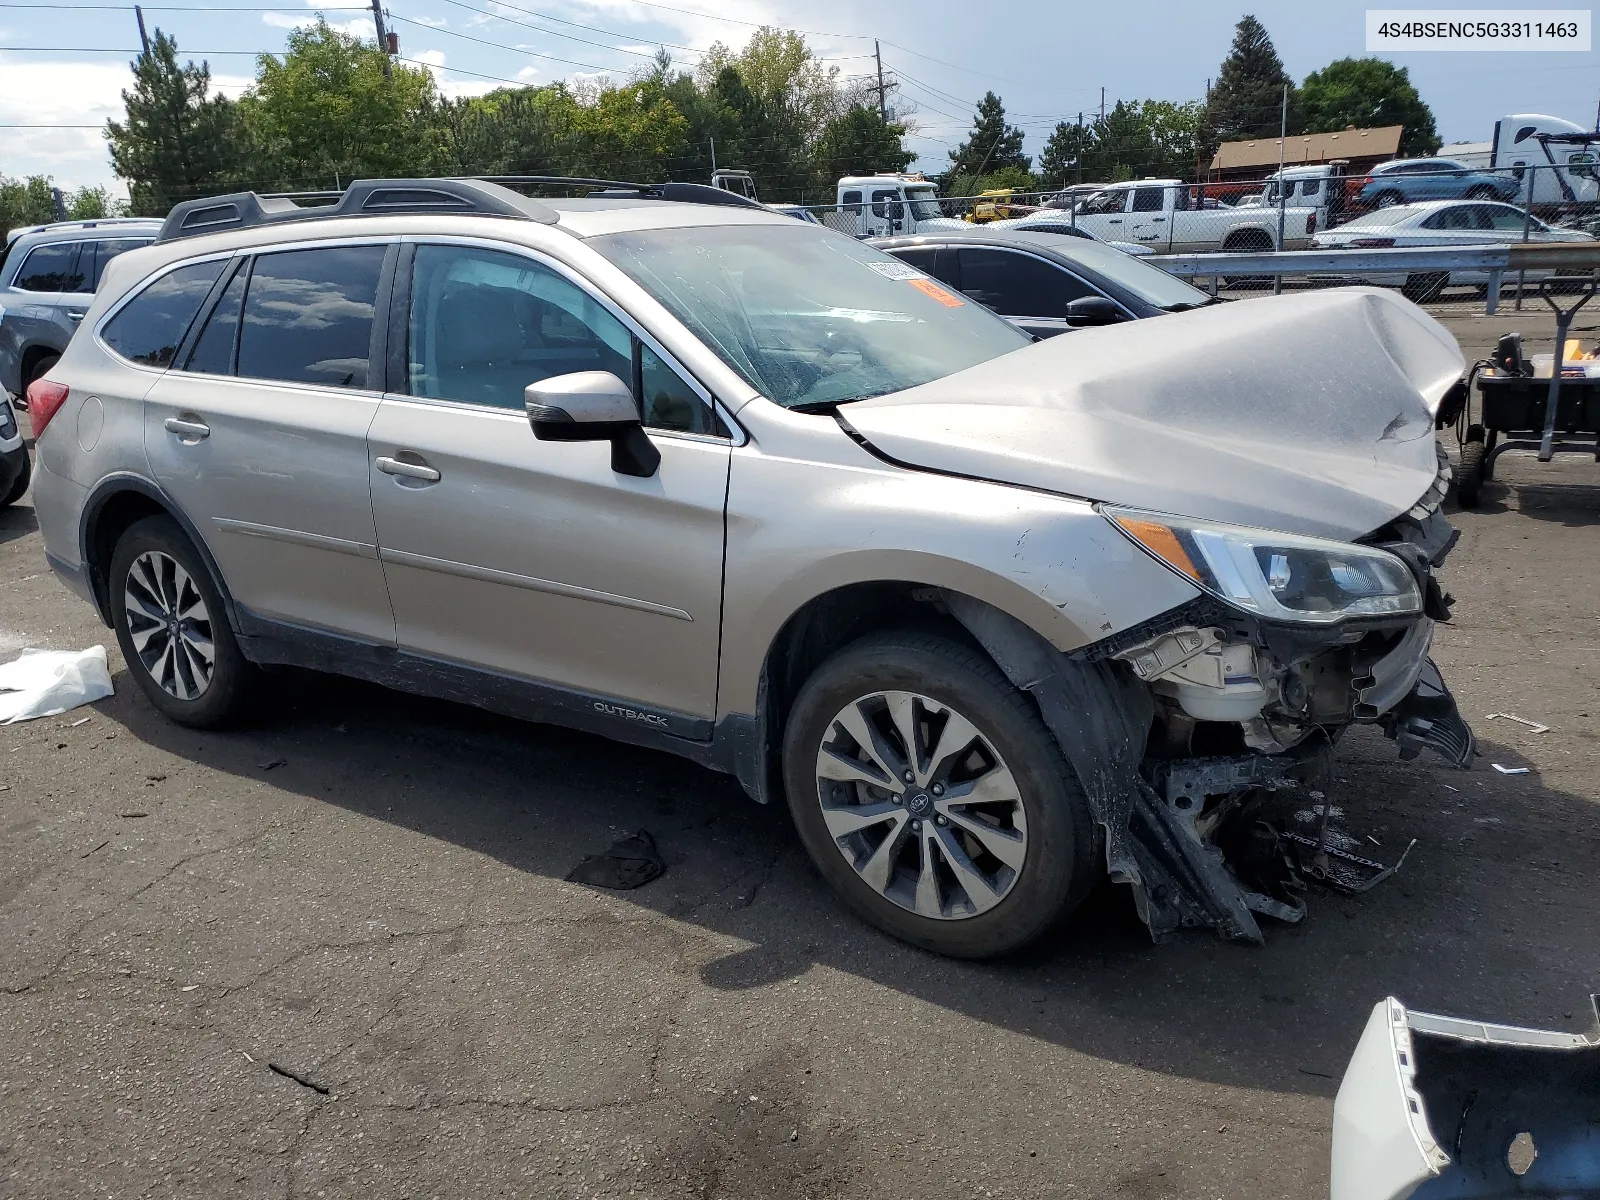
188	430
73	315
407	470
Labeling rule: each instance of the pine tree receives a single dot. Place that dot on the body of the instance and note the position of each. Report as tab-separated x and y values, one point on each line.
1246	100
1066	148
179	141
992	145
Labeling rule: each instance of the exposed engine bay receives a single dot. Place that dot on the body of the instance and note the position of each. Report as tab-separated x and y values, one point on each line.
1204	737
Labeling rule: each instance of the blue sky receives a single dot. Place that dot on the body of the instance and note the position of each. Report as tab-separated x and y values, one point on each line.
1046	61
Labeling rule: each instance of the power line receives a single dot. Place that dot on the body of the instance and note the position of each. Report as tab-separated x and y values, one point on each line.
511	49
546	17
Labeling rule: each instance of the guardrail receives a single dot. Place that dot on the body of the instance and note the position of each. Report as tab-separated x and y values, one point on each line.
1419	261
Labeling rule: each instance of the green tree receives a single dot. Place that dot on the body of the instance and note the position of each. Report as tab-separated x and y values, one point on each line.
1246	100
179	140
992	144
860	142
25	202
326	113
1367	93
1068	143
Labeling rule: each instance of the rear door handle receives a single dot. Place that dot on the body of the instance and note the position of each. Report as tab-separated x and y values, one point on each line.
192	431
407	470
74	316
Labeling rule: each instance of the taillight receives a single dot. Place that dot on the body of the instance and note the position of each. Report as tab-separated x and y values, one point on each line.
45	398
1364	182
1371	243
1311	223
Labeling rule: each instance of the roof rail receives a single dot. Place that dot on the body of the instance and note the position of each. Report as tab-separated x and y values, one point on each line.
486	195
682	193
363	198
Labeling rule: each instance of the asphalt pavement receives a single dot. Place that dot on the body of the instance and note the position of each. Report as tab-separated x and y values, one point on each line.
335	954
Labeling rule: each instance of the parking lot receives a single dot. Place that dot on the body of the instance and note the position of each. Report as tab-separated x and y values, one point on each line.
336	954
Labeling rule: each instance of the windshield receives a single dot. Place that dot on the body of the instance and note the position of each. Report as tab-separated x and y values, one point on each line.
807	316
1150	284
924	206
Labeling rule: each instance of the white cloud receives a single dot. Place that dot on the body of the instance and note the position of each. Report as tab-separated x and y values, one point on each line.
360	27
431	22
63	94
528	75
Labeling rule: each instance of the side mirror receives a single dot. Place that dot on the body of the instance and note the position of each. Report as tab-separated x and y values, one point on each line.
593	406
1093	310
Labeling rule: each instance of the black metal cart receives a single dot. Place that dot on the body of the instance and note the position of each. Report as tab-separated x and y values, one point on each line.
1519	412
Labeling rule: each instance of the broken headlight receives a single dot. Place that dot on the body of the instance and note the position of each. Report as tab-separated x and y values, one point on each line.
1276	576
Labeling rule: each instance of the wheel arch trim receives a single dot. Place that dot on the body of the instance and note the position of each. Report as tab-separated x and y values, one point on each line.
100	497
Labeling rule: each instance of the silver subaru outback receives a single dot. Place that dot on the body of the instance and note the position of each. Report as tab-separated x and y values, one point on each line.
995	618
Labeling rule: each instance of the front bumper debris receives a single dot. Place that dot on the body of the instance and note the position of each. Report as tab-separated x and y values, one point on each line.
1214	840
1435	1106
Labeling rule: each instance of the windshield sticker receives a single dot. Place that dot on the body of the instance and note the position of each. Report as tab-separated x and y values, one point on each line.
895	270
949	299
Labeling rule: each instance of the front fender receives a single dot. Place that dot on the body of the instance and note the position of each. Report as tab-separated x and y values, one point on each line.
799	529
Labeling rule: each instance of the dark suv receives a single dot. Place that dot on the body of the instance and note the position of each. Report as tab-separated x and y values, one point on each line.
47	276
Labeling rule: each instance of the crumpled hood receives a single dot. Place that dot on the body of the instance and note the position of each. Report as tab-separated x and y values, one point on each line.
1308	414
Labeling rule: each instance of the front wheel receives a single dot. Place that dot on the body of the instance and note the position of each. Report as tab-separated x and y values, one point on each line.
173	630
1482	192
929	793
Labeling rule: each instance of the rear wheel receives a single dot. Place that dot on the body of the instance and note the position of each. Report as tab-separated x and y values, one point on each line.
36	369
1419	289
1388	199
173	630
931	796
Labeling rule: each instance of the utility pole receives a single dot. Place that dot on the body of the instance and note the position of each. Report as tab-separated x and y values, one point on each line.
1283	190
144	38
1080	164
1102	106
713	142
383	34
883	103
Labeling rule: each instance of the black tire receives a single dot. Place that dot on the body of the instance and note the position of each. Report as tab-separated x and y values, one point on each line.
1482	192
1388	199
20	484
1469	476
1419	289
228	694
41	367
1060	861
1249	242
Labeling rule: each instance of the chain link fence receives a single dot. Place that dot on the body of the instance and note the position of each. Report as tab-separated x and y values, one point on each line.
1413	203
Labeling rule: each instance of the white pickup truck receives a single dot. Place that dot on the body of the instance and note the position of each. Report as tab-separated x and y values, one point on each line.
1158	213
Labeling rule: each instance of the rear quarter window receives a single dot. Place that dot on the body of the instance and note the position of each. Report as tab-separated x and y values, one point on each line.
150	327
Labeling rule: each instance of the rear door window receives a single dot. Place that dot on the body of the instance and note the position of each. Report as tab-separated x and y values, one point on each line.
1018	285
1147	199
150	327
308	316
213	350
51	269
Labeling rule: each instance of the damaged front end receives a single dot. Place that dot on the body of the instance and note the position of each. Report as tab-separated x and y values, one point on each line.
1202	738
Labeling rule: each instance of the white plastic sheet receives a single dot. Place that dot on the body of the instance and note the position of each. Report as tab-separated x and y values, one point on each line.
42	683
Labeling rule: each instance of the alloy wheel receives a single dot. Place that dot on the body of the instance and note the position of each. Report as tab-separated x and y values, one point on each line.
169	625
921	805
